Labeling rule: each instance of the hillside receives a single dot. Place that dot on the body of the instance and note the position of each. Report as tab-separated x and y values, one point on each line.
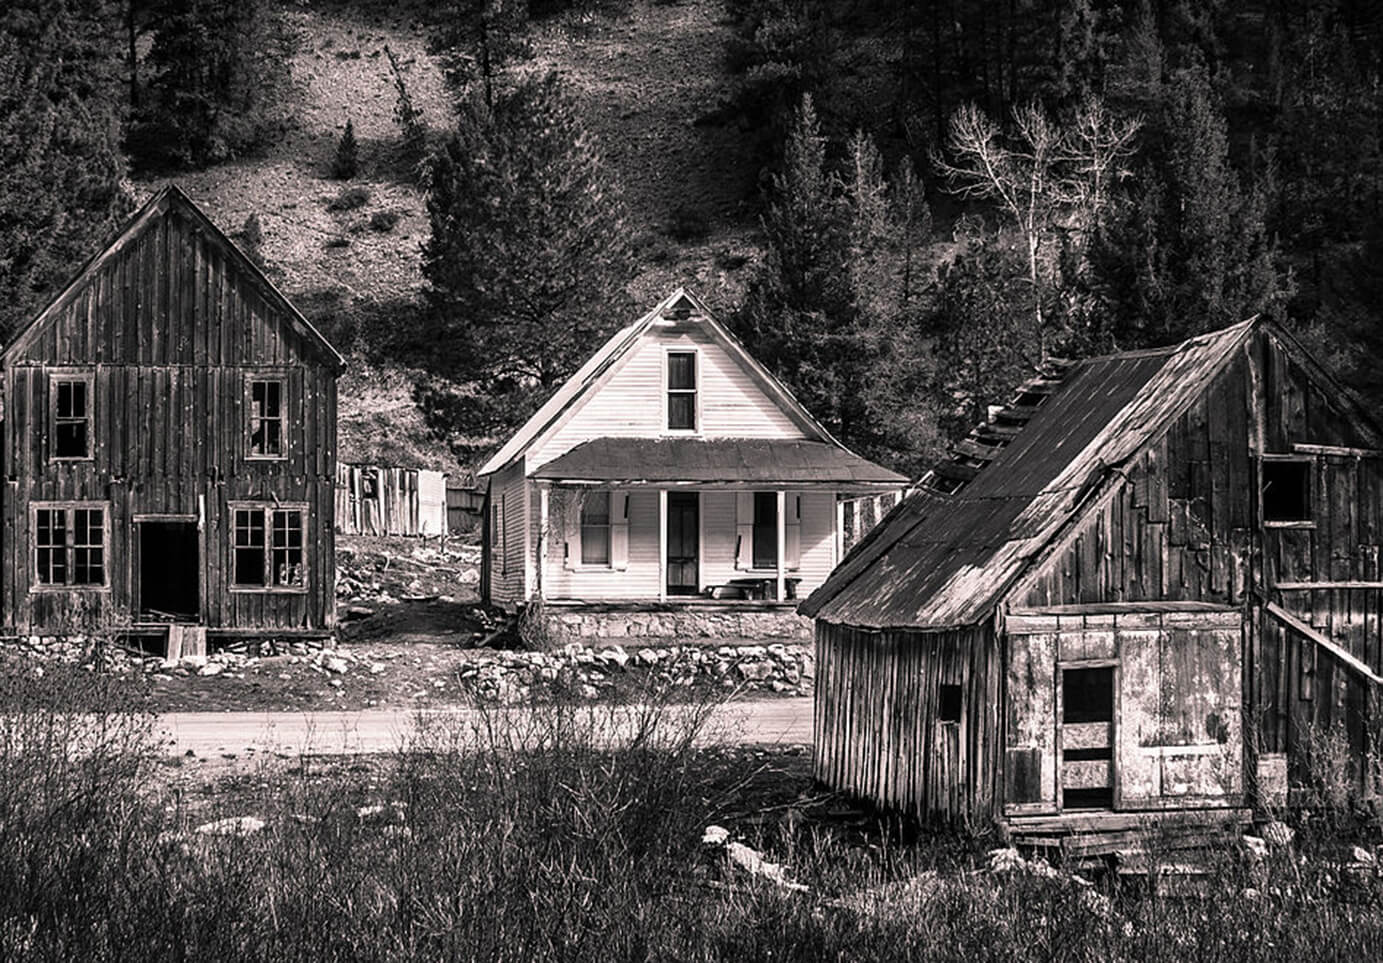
643	79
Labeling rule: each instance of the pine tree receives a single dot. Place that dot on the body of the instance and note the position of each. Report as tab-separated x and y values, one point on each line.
61	167
217	82
346	161
476	39
528	258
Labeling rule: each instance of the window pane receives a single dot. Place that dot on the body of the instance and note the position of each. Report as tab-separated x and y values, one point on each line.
272	438
681	370
595	545
681	411
64	399
78	394
249	547
287	560
595	508
71	439
50	541
765	530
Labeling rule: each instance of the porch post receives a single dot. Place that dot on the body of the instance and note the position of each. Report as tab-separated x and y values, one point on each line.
662	544
542	540
782	539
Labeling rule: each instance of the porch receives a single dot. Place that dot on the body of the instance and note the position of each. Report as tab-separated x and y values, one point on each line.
652	621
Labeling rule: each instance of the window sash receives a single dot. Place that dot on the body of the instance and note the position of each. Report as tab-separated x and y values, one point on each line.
267	417
71	418
595	528
681	390
70	546
269	548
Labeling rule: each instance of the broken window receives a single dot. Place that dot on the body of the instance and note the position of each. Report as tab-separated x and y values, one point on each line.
266	418
949	710
1087	695
1287	490
70	545
71	418
595	528
268	548
681	390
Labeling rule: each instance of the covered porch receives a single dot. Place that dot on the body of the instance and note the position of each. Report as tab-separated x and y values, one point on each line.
724	523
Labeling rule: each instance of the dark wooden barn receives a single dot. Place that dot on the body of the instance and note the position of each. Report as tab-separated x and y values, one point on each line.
1150	585
169	446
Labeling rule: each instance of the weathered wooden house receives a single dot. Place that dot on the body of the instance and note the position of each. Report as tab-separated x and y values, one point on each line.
671	487
1149	585
169	445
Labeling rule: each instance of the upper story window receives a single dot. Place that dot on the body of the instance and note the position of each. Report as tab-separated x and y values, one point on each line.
266	418
681	391
268	548
70	396
1287	491
70	546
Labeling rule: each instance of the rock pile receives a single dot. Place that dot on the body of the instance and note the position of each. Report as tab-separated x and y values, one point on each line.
588	671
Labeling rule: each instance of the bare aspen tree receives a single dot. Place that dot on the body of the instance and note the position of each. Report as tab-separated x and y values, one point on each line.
1045	179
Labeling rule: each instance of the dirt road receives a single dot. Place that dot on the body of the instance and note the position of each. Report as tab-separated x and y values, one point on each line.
768	721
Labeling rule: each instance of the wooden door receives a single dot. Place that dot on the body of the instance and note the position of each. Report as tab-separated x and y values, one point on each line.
1087	737
683	543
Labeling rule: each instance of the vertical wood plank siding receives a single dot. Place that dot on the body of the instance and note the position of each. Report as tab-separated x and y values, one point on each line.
877	734
169	327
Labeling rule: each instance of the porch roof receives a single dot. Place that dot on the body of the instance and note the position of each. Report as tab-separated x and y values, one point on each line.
749	461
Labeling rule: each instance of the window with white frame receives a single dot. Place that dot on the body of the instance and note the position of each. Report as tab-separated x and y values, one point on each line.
268	548
681	391
595	528
70	545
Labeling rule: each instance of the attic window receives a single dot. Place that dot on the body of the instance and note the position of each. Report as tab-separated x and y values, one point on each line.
1287	491
681	391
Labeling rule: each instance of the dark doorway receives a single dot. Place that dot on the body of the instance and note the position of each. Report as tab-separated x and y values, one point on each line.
169	571
683	541
1087	720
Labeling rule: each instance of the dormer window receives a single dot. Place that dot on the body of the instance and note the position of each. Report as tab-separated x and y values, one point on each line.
681	391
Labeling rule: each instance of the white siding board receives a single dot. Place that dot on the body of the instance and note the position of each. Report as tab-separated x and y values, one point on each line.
630	403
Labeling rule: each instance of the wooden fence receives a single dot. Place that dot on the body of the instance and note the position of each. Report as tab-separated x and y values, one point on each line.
371	500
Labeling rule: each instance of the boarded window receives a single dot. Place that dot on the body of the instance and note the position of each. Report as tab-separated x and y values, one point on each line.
1287	491
71	418
681	390
266	418
949	709
70	545
595	528
269	548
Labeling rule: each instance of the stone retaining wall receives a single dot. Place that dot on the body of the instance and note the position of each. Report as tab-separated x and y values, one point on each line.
670	622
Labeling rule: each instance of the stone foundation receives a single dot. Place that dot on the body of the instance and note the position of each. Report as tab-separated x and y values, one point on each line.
655	622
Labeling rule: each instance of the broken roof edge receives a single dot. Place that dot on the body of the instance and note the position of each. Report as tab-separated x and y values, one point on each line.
1092	490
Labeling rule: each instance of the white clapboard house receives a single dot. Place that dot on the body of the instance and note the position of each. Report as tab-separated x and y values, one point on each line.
672	471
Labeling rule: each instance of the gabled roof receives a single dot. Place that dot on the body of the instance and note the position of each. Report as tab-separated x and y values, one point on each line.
945	560
158	206
601	365
760	461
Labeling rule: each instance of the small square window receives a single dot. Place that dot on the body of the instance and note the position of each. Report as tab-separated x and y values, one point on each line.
1287	491
949	710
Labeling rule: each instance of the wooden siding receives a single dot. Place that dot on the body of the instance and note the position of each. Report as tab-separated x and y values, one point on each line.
877	734
1178	733
505	553
168	325
630	403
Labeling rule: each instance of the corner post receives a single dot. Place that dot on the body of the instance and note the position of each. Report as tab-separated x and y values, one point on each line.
782	540
543	493
662	544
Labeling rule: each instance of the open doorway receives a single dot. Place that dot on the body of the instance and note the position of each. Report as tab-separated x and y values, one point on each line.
169	571
1087	738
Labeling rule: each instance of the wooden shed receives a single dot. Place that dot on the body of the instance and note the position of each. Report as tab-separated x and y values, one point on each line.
169	445
1150	585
